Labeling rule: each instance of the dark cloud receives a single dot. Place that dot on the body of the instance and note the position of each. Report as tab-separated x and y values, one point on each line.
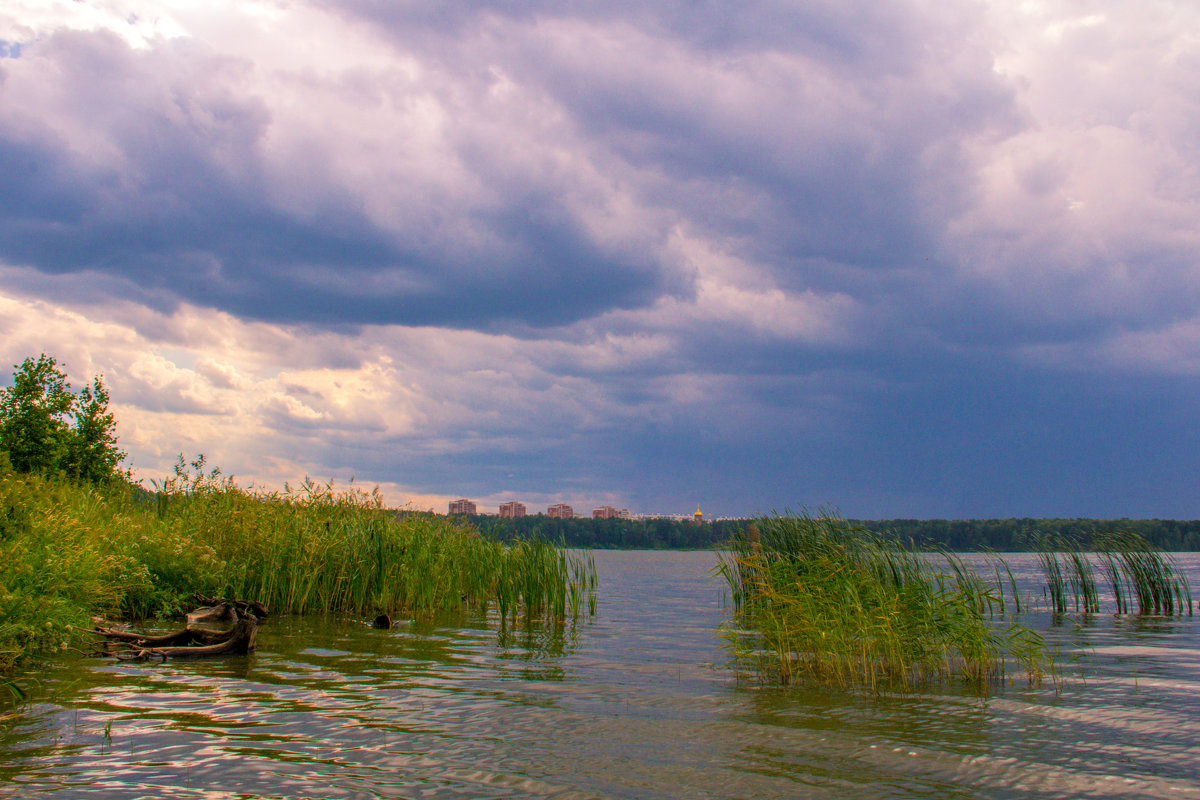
176	201
785	152
827	144
807	138
978	441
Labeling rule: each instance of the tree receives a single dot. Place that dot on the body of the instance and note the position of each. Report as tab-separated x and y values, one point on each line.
46	428
33	415
92	453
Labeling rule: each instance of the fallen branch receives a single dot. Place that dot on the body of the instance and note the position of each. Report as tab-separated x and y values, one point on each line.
239	642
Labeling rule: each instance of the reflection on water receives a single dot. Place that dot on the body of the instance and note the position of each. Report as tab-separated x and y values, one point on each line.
636	703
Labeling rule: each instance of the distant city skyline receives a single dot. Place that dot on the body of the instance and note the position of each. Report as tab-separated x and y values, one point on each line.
515	508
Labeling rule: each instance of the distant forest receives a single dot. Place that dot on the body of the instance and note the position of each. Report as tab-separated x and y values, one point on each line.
1003	535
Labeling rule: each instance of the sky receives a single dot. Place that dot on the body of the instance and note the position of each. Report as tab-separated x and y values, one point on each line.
895	258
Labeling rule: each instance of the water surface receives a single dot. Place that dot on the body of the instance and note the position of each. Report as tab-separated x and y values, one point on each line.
636	703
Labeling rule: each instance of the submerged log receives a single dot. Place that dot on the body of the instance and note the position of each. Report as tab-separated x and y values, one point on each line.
210	631
181	636
239	641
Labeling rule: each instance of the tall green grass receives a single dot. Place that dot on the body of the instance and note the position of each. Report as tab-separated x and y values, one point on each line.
818	600
68	552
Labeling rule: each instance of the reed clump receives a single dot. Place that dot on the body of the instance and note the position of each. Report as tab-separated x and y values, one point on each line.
70	551
816	599
1143	579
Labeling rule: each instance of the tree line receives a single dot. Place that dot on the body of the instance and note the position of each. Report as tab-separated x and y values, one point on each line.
589	532
1024	534
1002	535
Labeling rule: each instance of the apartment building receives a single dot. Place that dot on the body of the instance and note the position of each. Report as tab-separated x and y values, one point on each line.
512	509
463	506
560	511
608	512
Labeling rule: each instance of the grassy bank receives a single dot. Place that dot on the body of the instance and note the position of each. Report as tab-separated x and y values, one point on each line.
70	551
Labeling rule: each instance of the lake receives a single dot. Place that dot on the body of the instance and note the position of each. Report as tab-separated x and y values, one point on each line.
636	702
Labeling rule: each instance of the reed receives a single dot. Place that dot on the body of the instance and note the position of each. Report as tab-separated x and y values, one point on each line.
68	552
818	600
1112	573
1056	583
1083	582
1140	571
1012	584
1134	569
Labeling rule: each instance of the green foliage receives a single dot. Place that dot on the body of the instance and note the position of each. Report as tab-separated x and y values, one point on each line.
45	428
825	600
1135	568
56	566
72	550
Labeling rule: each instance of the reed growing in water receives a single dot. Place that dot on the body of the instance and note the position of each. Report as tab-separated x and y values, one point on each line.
816	599
1135	570
70	551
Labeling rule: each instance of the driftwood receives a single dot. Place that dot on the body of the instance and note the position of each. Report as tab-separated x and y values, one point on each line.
243	607
222	628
